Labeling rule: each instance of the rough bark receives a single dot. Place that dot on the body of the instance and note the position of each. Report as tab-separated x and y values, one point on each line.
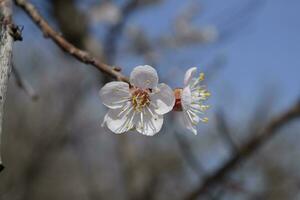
6	42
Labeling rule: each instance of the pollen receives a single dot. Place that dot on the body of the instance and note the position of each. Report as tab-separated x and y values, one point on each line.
204	120
201	77
140	99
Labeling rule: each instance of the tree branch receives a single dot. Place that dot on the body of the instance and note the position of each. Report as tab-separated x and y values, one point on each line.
246	151
66	46
6	42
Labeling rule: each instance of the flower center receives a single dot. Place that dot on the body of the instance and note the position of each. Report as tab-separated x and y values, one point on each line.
177	94
140	99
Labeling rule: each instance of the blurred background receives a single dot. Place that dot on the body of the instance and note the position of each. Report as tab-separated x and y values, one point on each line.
55	148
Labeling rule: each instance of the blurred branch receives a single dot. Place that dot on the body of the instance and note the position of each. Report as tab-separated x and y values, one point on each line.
66	46
234	186
188	155
115	31
262	110
246	151
113	34
6	43
224	131
66	13
44	149
141	45
23	84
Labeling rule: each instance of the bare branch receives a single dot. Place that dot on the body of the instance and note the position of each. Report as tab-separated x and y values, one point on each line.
66	46
246	151
6	43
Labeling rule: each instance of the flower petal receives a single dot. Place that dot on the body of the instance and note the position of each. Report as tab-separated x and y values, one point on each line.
188	123
114	94
149	124
189	75
163	99
144	77
186	98
118	122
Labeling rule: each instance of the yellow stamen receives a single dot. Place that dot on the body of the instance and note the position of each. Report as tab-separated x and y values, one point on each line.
205	119
201	77
140	99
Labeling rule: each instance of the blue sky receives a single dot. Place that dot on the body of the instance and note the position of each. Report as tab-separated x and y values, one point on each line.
261	56
269	53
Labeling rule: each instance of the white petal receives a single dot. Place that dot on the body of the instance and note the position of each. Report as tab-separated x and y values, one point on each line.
194	118
114	94
186	98
163	99
189	75
149	124
119	124
144	77
188	123
104	120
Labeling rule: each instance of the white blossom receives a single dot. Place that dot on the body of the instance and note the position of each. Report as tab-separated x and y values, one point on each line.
140	105
191	100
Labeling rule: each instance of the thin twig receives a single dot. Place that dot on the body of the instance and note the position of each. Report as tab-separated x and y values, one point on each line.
66	46
246	151
23	84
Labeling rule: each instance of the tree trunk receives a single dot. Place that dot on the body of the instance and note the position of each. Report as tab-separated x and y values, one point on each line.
6	42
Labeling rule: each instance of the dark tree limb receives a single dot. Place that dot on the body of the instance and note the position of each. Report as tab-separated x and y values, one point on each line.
246	151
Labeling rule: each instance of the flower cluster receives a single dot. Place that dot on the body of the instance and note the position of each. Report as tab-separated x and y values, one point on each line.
141	104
